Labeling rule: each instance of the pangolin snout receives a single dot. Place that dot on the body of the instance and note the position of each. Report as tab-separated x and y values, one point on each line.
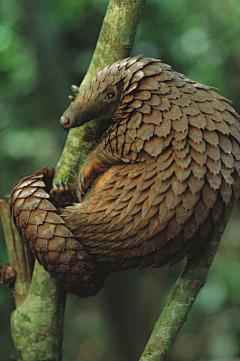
68	121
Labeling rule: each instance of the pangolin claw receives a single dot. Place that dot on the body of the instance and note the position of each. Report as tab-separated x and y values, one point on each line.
71	98
75	89
80	186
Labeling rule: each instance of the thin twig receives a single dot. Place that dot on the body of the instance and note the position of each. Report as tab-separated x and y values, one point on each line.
19	257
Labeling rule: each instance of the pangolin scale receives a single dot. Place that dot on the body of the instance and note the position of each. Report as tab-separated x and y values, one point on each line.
168	170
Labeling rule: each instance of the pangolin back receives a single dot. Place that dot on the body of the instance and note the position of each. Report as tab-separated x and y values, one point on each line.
170	164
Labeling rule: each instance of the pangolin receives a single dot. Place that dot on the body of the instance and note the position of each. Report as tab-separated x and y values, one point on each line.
168	170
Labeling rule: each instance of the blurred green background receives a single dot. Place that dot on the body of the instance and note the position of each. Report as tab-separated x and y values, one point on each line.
45	46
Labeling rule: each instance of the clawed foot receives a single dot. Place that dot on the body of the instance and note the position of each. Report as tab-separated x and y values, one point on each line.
85	178
61	195
80	186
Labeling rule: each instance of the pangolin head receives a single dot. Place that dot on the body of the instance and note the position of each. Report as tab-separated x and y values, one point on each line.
105	96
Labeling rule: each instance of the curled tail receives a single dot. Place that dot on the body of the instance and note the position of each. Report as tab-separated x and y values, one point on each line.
45	233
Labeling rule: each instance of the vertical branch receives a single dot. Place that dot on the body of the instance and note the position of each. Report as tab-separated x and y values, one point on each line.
38	323
179	304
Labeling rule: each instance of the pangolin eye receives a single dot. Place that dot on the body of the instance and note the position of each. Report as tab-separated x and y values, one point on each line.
110	95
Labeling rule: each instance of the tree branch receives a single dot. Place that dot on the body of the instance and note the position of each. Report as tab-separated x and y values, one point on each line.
37	325
178	306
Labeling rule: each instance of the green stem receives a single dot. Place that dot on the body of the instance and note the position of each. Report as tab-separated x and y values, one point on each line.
37	324
179	304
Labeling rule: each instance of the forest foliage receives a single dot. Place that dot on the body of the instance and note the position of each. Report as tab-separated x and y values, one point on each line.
45	46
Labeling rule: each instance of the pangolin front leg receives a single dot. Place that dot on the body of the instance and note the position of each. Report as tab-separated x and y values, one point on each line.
96	163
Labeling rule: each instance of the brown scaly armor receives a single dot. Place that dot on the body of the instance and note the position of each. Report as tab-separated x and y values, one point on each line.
169	170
